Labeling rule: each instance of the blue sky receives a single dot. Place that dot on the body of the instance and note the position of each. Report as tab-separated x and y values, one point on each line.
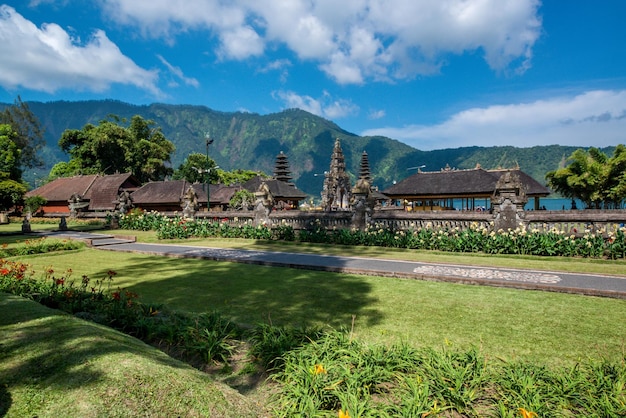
432	74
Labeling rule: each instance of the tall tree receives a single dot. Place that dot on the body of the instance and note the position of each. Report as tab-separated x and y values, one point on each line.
12	189
28	130
141	148
10	154
195	168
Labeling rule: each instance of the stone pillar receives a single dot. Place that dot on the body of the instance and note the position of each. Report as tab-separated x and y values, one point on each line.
362	204
508	202
26	226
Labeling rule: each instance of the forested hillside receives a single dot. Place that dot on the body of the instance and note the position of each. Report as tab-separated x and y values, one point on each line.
252	141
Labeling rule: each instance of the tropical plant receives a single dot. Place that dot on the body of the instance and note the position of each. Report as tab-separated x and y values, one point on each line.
594	178
242	200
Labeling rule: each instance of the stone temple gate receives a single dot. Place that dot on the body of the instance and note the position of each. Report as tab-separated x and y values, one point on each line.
337	191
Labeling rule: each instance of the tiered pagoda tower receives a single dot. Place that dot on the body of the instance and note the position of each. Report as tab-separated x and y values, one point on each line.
281	169
365	172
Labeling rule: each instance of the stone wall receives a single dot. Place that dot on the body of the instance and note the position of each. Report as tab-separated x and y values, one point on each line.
570	221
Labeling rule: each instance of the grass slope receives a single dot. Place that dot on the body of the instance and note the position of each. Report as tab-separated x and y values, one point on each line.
54	365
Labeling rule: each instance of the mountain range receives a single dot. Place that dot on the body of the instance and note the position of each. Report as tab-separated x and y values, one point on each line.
252	141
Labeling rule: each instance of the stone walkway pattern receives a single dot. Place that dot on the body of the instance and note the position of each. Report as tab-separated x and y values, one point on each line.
588	284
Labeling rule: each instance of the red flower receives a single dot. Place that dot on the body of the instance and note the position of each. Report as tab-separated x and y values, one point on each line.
60	282
116	295
4	272
111	273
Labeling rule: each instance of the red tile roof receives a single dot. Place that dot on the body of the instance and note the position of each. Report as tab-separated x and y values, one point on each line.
100	191
63	188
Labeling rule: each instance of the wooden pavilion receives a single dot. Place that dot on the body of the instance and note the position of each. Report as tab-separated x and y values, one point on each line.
457	189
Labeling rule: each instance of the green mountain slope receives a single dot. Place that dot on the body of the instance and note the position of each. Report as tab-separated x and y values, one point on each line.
252	141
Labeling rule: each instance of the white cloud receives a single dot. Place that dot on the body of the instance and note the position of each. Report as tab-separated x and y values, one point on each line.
178	72
376	114
325	106
49	59
594	118
356	40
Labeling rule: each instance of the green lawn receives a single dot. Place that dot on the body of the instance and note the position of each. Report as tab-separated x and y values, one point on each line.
546	327
55	365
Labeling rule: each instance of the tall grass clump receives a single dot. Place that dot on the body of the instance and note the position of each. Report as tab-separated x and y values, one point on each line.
338	376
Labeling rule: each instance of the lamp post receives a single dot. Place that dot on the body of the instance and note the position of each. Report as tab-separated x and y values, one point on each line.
209	141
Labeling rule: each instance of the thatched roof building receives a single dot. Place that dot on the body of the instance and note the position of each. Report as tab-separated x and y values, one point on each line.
435	190
286	195
96	192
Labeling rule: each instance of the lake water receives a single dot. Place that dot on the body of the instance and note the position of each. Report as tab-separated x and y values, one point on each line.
554	204
549	203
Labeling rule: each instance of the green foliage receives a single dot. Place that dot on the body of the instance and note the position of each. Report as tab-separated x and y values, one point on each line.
270	343
195	168
33	203
335	373
593	177
141	148
242	200
238	176
10	154
40	246
66	169
11	193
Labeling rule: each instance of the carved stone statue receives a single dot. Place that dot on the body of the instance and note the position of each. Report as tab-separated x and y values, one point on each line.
190	203
124	202
75	204
263	205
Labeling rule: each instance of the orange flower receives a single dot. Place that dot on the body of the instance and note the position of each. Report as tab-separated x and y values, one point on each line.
527	414
343	414
319	369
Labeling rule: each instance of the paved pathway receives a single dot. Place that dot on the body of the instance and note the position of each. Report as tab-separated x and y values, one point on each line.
589	284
